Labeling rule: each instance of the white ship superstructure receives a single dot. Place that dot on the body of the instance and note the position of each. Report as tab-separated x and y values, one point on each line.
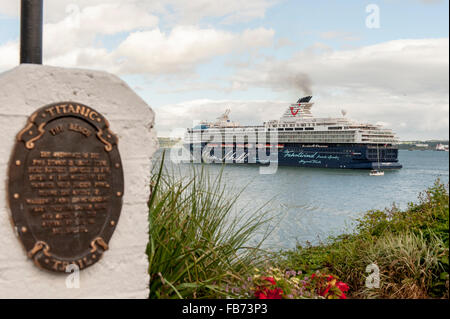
298	125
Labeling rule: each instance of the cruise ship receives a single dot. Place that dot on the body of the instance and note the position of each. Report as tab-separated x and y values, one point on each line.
296	139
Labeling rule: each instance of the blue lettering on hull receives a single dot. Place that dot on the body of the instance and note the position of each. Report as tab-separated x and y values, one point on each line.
356	156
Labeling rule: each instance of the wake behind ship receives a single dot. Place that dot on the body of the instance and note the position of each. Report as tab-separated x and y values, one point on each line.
297	139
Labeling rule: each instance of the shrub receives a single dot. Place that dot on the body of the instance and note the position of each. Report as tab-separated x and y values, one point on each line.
410	248
429	216
408	263
196	246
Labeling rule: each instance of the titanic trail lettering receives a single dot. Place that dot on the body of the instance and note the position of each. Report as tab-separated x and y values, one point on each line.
65	186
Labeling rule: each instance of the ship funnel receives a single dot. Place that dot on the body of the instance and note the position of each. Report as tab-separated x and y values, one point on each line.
299	110
305	99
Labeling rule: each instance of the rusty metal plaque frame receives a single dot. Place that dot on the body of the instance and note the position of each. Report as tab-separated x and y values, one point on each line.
65	186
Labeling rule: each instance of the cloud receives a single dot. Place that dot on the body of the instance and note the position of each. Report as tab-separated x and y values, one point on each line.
183	48
403	83
10	8
177	117
79	29
113	18
9	53
73	28
339	35
424	118
283	42
400	67
154	52
74	41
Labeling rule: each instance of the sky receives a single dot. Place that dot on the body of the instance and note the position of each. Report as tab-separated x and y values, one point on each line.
384	62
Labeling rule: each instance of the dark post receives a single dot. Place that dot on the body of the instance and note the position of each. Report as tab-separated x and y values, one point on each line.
31	31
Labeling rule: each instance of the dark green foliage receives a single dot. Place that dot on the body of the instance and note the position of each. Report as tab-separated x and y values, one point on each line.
197	246
410	247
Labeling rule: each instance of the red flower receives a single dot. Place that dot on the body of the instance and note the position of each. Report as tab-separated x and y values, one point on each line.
313	276
270	279
274	293
330	278
266	293
343	296
324	292
342	286
260	295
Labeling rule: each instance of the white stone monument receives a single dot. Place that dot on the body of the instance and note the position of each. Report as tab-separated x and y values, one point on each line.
122	272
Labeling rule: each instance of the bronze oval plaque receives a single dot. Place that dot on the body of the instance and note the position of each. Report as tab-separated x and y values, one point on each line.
65	186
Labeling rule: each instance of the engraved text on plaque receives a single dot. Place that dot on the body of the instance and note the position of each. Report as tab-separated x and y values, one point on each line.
65	186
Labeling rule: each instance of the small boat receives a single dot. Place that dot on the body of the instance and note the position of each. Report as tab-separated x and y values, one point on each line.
442	147
376	173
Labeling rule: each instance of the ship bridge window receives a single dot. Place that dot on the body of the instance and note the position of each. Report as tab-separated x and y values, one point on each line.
299	128
309	128
281	129
335	128
289	129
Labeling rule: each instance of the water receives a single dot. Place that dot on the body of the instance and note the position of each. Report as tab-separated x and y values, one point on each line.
311	204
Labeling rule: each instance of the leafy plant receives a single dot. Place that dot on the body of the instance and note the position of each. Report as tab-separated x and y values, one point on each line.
197	245
410	248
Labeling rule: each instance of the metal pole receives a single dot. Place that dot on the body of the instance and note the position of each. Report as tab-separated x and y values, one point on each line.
31	31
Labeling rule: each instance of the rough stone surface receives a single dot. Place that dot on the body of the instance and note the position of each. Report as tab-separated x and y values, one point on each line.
122	272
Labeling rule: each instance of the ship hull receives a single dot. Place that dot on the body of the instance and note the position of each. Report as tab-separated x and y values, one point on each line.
345	156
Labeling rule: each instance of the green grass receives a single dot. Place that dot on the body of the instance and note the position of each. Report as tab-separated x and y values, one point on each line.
197	245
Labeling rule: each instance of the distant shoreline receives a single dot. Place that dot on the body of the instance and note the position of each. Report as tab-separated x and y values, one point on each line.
429	145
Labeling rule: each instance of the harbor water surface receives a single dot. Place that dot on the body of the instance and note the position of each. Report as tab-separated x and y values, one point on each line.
310	204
